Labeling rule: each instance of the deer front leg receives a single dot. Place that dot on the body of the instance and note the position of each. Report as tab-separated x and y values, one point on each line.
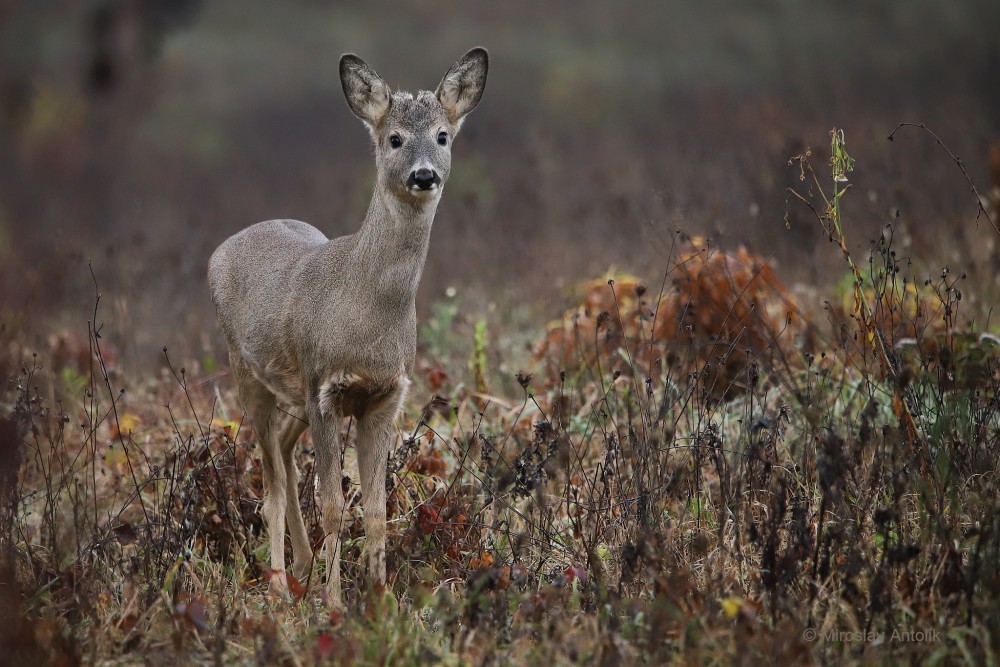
373	453
374	437
325	426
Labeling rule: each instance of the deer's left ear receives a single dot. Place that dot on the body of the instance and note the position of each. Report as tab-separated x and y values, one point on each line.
462	87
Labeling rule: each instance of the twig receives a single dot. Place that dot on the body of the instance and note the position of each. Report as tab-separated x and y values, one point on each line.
961	165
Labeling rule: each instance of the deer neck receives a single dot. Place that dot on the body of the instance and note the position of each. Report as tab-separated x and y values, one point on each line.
391	248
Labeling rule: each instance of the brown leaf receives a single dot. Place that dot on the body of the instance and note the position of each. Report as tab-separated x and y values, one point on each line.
196	614
191	610
125	533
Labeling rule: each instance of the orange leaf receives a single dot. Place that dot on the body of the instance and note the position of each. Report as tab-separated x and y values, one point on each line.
572	572
295	587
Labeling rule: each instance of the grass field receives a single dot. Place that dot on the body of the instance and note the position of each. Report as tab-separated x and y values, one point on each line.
699	467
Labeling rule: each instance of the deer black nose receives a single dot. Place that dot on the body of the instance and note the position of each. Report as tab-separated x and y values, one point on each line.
424	179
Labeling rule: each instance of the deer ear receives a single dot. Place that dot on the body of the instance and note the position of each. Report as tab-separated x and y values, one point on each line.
462	87
367	94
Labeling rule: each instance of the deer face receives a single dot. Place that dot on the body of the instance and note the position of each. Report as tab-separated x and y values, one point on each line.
413	147
413	134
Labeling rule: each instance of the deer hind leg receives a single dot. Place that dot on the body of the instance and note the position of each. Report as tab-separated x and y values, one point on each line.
295	424
329	490
374	438
261	408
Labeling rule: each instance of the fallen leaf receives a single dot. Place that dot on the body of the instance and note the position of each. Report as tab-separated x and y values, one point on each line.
125	424
436	377
731	607
295	587
428	519
324	645
125	533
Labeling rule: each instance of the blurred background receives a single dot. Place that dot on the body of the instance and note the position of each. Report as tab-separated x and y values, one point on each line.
136	135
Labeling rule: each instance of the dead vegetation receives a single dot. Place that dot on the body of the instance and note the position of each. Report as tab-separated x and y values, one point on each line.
714	311
694	472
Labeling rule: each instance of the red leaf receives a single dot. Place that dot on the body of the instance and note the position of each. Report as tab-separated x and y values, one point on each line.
436	377
295	587
429	518
324	645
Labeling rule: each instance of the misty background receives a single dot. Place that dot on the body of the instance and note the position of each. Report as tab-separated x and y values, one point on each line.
136	135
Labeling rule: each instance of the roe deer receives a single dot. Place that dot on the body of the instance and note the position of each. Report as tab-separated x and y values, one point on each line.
328	327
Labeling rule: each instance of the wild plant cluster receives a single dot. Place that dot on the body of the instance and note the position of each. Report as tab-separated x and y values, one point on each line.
696	470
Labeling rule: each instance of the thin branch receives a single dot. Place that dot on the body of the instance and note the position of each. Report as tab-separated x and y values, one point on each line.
961	165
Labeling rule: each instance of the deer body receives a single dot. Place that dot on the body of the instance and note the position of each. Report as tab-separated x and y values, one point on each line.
328	327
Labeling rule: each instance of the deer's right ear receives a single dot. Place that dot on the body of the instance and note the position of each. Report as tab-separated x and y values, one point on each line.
462	87
367	94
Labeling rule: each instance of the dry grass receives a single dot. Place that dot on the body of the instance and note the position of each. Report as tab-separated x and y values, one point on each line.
723	489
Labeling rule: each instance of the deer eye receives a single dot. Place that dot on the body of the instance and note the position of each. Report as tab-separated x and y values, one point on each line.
443	138
395	141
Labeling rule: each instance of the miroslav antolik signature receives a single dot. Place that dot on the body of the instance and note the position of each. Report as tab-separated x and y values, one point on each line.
874	636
